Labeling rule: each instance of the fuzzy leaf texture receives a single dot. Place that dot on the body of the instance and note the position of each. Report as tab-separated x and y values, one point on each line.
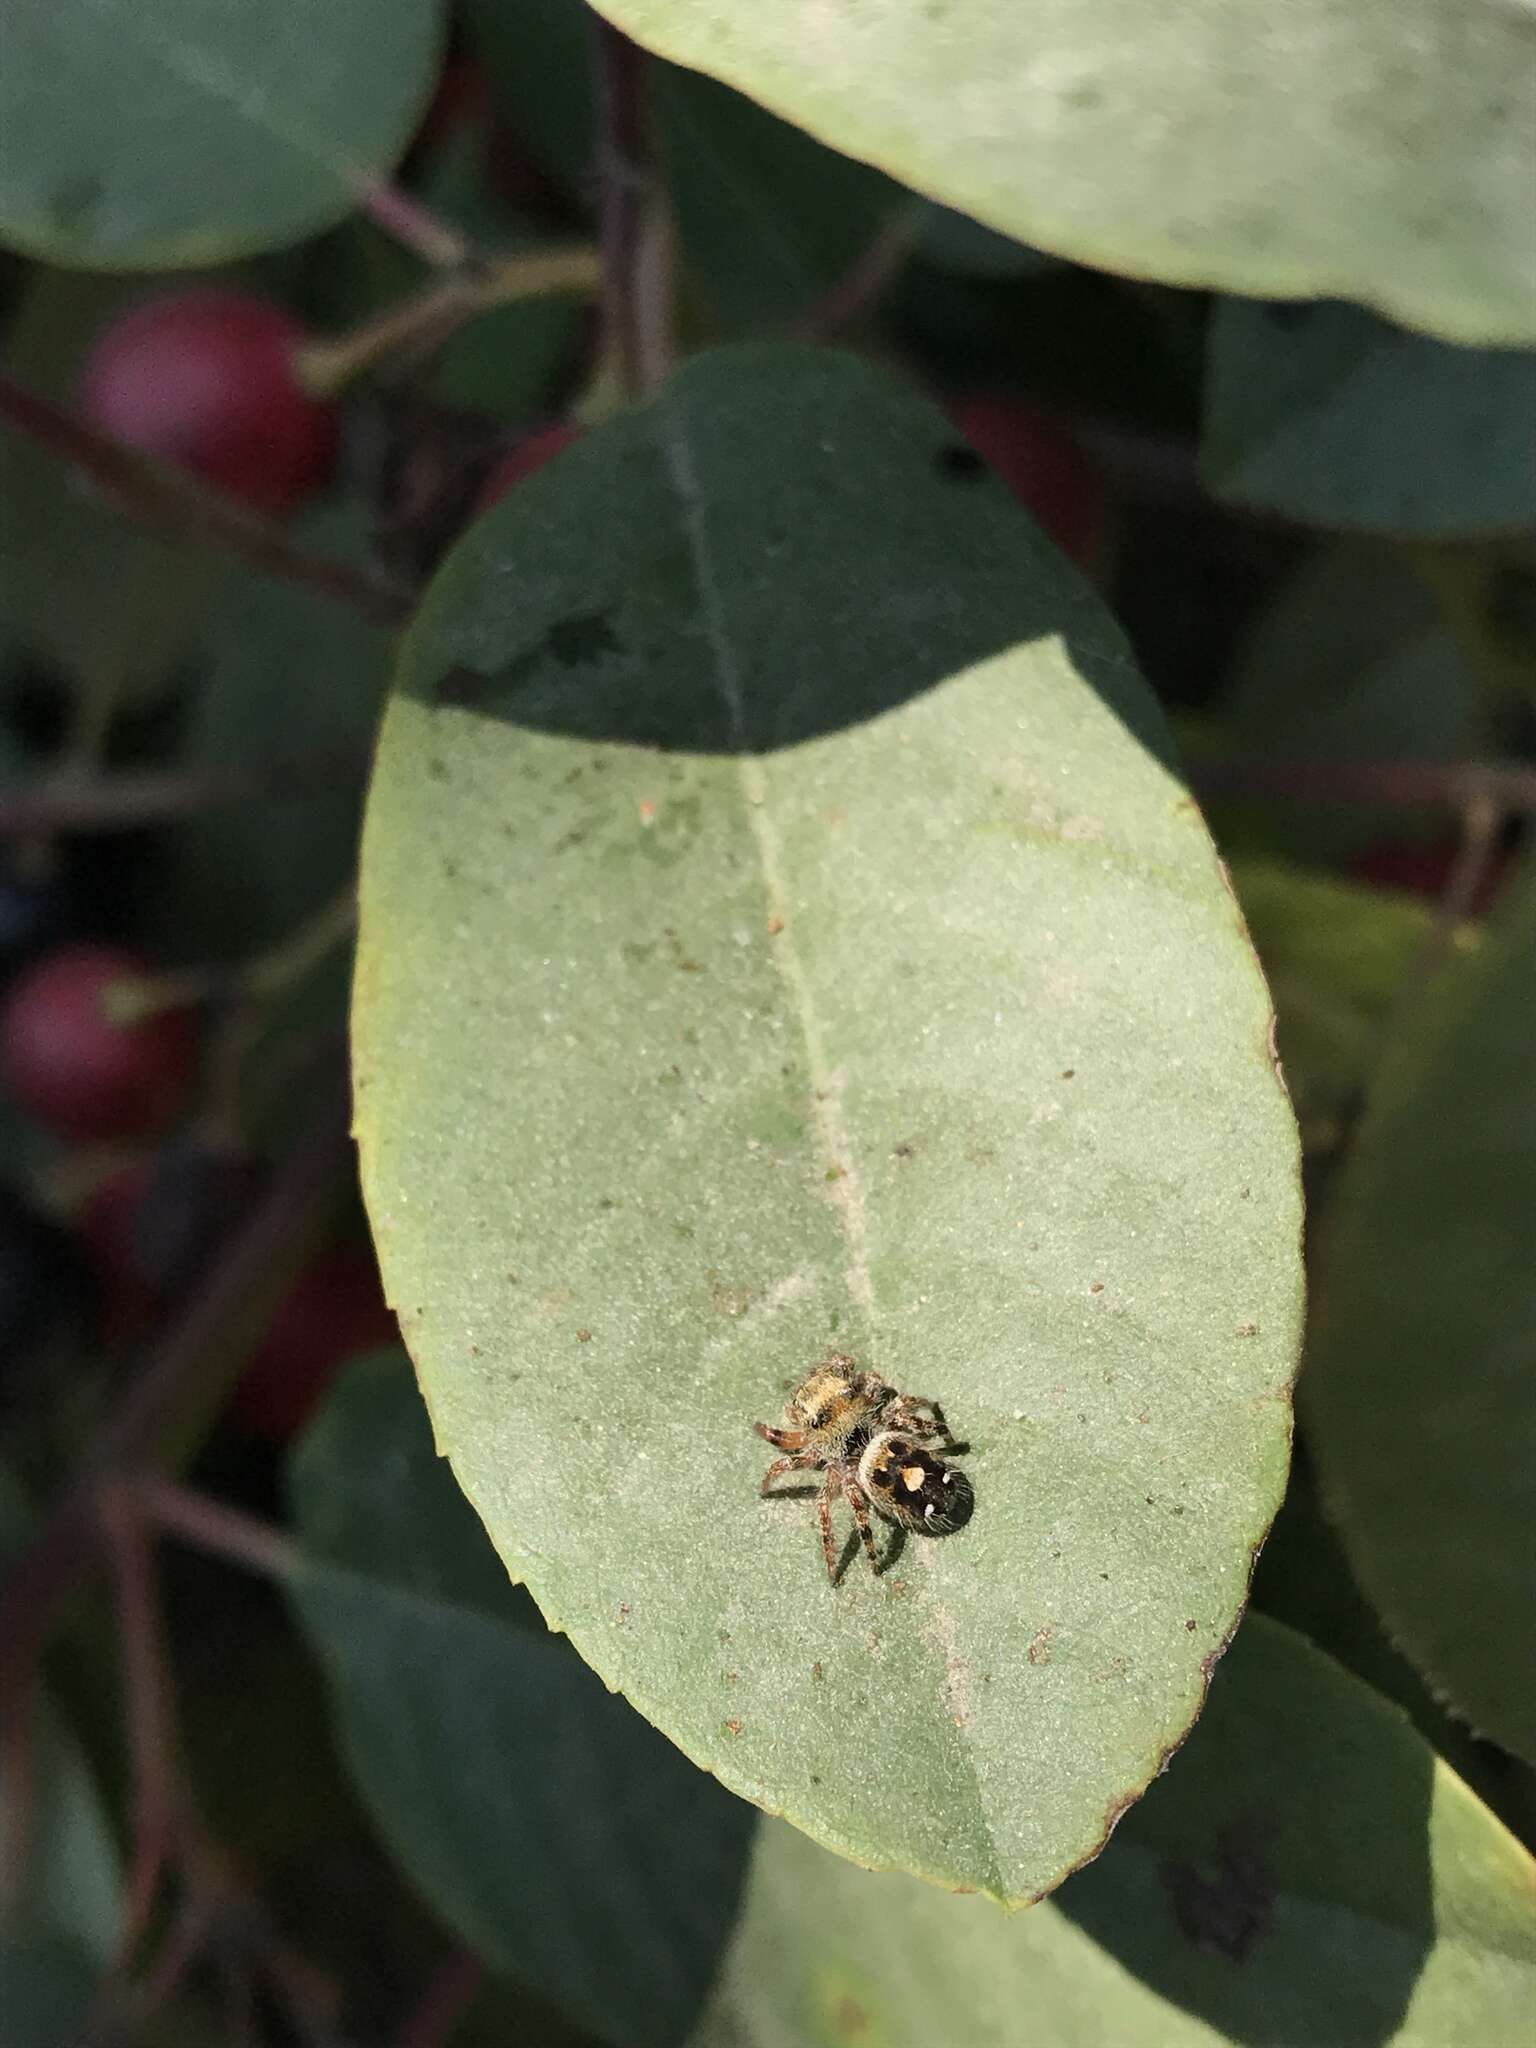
1377	150
783	929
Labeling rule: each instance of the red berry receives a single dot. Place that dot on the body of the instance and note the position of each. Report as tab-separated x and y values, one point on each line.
335	1310
206	380
1047	471
76	1066
522	461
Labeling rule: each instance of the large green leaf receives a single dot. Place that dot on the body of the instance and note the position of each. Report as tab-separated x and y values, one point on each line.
1420	1397
555	1831
1382	152
1332	417
143	134
781	928
1306	1872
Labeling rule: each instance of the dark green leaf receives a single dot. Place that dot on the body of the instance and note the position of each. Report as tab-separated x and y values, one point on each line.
294	681
156	134
555	1831
1351	662
1420	1398
769	219
1336	955
1382	151
47	1986
782	929
1331	417
1307	1871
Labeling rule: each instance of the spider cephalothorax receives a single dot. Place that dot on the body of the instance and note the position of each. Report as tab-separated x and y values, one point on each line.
869	1441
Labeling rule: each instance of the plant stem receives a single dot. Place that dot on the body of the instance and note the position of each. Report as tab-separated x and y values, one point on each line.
426	320
178	509
256	980
864	283
191	1361
146	1691
634	226
1444	785
123	802
209	1525
416	226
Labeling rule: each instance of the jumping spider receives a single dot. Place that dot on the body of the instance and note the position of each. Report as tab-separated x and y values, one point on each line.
868	1440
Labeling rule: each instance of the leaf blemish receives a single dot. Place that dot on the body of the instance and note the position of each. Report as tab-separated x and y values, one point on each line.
581	638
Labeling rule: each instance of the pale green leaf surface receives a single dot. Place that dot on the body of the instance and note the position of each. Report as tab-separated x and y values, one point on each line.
555	1831
781	929
1384	152
144	134
1307	1871
1420	1399
1332	417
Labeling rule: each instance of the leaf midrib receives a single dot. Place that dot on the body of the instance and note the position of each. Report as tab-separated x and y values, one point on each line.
847	1190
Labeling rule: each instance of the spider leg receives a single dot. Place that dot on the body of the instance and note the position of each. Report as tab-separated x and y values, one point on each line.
832	1485
860	1505
905	1413
804	1463
781	1439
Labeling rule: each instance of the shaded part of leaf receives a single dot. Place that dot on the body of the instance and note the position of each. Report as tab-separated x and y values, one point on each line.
1420	1402
557	1834
1331	417
921	1022
1306	1871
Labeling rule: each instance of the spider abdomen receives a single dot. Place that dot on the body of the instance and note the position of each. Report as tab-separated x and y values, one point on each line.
912	1486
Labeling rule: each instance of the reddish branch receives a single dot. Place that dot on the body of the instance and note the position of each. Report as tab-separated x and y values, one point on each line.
1446	785
181	510
123	802
137	1434
633	227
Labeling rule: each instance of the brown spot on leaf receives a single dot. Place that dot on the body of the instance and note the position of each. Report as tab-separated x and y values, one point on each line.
583	1336
1039	1651
850	2019
734	1727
